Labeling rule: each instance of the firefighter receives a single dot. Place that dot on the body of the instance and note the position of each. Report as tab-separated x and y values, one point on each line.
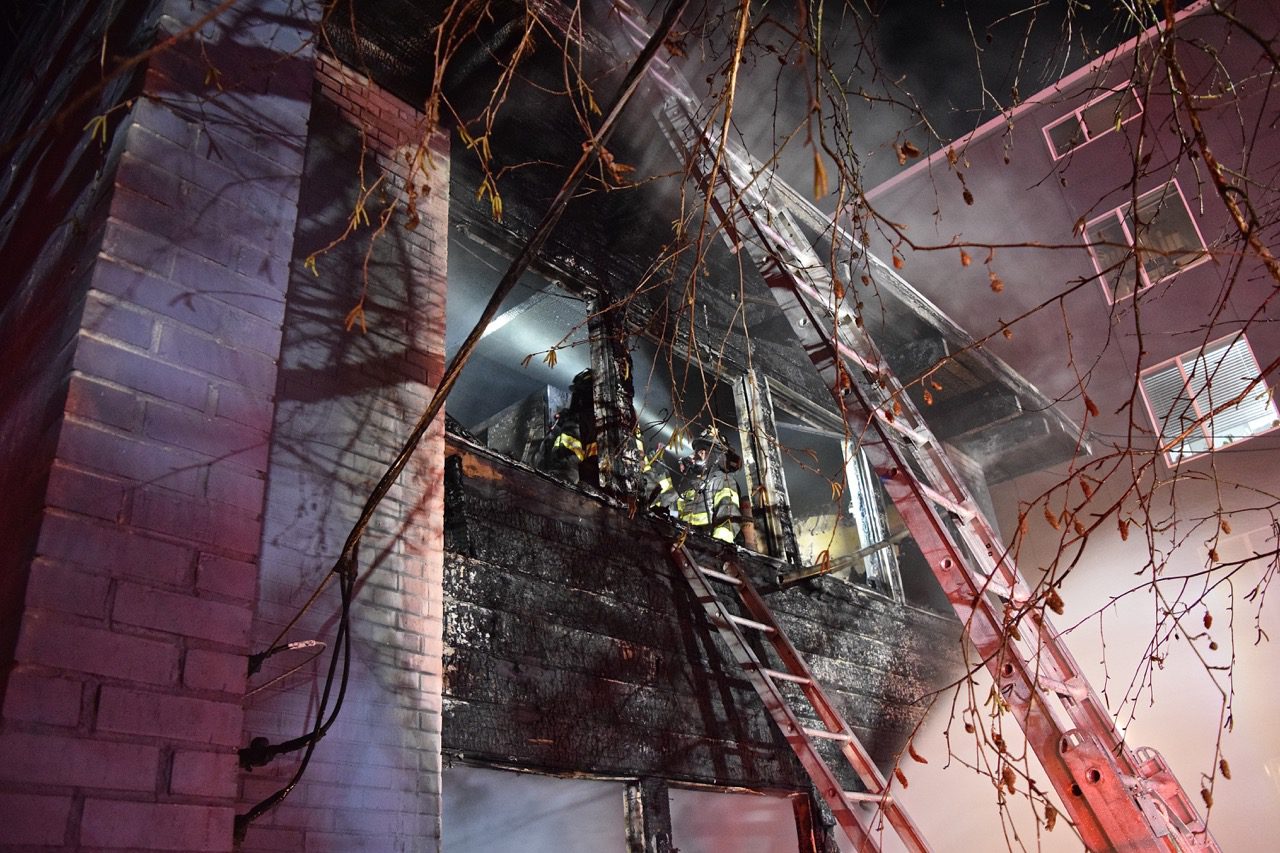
661	482
708	498
570	449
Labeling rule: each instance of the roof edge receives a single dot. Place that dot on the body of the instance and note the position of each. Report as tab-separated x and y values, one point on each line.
1058	88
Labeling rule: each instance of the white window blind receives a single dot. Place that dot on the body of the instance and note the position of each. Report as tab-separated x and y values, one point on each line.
1183	394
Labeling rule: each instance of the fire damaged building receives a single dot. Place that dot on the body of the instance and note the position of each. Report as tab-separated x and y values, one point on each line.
357	447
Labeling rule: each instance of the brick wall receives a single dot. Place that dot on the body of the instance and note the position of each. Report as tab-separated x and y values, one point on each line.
345	402
123	708
54	194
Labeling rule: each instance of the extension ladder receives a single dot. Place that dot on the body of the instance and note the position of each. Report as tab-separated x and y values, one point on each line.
1116	799
787	712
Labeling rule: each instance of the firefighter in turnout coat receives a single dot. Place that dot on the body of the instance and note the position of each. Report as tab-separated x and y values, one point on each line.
570	448
707	496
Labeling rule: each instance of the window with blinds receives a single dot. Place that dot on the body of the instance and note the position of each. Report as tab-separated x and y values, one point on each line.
1207	399
1157	231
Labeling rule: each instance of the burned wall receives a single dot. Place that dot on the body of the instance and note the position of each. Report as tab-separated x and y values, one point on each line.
572	644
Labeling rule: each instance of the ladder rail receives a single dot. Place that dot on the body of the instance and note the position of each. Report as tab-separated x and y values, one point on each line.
1091	750
1098	778
797	735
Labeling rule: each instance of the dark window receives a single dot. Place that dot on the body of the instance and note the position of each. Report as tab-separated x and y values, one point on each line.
1158	231
1099	116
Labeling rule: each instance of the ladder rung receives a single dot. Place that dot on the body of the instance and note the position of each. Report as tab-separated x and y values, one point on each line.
864	797
672	88
751	623
854	356
815	297
1014	596
1071	687
996	586
778	237
720	576
916	437
828	735
779	675
965	513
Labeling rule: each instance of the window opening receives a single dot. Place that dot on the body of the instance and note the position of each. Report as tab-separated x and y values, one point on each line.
517	392
1100	116
1182	394
721	822
1158	233
837	501
814	461
688	427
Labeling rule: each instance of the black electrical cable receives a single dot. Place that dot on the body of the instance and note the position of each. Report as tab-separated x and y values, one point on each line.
258	753
297	645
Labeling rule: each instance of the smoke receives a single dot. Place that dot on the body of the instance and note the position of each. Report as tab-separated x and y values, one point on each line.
884	74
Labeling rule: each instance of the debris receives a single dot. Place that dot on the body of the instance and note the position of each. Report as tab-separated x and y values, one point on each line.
1054	601
821	186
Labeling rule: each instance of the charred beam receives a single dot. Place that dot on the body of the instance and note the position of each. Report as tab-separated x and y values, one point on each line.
647	809
814	825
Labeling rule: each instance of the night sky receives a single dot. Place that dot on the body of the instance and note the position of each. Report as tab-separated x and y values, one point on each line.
939	55
936	49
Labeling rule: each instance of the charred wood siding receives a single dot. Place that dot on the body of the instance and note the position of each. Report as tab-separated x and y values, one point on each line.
573	645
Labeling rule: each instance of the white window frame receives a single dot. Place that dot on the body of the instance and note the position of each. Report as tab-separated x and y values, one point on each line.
1184	369
1169	194
1076	117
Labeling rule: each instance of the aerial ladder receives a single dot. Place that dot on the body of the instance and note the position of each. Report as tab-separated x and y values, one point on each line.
1117	798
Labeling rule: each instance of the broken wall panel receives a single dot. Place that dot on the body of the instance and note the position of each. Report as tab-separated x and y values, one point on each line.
573	645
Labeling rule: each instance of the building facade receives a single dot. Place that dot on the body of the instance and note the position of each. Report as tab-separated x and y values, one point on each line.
1113	236
238	263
